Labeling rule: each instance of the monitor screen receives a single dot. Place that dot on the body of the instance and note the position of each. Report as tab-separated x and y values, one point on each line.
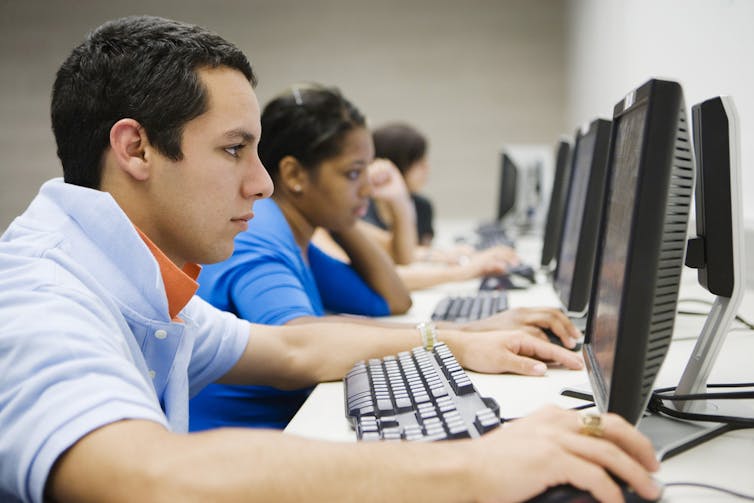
508	186
583	213
617	236
558	199
642	245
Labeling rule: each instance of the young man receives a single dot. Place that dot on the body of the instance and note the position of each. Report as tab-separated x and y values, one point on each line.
102	340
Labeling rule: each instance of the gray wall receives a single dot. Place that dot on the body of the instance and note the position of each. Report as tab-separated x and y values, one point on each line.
472	75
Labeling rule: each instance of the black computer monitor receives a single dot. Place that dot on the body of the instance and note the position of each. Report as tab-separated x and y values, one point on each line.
718	250
508	186
572	279
714	222
642	245
558	199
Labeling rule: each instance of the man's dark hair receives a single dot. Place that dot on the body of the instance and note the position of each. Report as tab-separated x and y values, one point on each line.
400	143
308	122
143	68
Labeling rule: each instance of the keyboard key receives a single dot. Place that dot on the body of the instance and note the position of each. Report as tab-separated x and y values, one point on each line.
486	420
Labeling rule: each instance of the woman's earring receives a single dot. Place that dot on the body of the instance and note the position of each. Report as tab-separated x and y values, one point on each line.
297	188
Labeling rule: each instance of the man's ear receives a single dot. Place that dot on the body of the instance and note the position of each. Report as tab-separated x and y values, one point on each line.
128	142
293	176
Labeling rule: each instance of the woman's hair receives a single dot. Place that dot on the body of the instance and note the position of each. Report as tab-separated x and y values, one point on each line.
308	122
399	143
143	68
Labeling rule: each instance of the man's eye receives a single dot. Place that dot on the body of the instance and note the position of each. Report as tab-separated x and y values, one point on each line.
353	174
235	150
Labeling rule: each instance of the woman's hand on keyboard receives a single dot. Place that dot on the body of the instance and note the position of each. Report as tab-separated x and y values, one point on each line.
515	351
489	262
546	449
532	320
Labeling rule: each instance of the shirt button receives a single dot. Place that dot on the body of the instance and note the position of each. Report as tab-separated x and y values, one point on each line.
152	373
160	334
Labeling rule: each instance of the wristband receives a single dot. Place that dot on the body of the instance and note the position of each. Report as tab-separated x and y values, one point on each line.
428	333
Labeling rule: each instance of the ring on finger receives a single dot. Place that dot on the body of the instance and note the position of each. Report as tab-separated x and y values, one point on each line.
590	423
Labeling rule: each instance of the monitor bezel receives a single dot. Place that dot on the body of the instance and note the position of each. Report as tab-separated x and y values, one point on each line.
574	294
638	354
507	188
558	201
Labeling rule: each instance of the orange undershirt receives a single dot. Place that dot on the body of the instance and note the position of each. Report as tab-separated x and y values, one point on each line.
180	285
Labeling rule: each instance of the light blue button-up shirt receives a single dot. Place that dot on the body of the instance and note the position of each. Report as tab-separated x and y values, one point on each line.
85	334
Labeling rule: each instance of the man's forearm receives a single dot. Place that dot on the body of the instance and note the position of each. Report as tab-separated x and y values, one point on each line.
251	465
298	355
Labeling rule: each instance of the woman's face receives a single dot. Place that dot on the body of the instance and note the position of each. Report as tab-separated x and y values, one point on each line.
338	191
417	174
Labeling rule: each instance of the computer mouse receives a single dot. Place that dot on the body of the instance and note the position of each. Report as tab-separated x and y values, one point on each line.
525	271
496	283
556	340
568	493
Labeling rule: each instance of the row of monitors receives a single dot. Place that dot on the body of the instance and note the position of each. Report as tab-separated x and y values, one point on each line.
617	230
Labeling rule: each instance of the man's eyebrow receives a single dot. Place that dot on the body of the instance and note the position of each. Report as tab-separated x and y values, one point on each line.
239	133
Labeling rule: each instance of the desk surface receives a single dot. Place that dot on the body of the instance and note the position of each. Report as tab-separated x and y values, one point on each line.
726	461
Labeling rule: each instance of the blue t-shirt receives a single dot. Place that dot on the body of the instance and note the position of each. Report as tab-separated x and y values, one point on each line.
267	281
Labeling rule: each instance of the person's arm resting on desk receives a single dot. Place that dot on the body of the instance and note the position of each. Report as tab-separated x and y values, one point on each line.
137	460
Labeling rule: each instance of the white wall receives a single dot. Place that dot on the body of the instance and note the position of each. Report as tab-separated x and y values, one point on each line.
706	45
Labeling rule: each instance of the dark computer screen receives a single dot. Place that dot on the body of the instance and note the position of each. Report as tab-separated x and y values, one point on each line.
555	210
642	245
508	186
572	279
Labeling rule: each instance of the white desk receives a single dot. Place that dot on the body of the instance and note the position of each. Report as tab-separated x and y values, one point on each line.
726	461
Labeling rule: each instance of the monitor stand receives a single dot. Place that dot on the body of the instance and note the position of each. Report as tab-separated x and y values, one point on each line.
669	436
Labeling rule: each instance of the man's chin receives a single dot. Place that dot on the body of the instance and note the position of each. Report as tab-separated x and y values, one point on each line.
218	255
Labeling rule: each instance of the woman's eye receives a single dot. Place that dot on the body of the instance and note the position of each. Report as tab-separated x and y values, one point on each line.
353	174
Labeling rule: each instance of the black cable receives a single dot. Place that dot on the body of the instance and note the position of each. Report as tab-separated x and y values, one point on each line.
749	325
725	490
734	422
697	301
733	395
738	317
713	385
656	404
584	406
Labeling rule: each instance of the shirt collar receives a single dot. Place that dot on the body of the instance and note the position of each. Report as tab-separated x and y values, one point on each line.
180	285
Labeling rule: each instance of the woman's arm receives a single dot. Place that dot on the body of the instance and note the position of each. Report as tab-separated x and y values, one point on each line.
375	267
391	194
483	263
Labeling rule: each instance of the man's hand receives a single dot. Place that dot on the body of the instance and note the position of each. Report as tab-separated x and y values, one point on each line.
532	320
515	351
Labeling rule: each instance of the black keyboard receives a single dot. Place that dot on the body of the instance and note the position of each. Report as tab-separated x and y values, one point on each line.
493	239
416	395
517	277
491	234
472	307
